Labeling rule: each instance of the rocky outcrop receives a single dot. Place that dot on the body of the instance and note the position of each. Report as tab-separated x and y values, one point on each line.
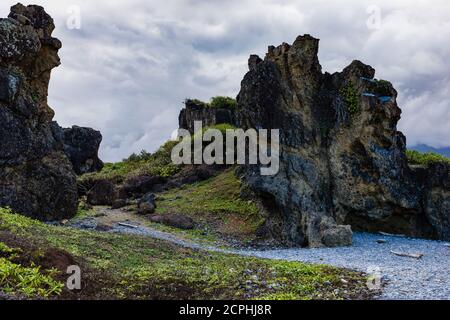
343	163
81	146
36	178
103	193
201	112
38	157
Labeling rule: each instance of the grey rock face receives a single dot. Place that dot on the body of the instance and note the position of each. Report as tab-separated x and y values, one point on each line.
343	161
209	116
36	178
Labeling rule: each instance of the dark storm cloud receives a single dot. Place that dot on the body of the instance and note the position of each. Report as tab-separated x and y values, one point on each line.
132	63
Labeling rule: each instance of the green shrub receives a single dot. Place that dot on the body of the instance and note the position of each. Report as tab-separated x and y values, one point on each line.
418	158
351	99
158	163
383	88
143	156
218	102
196	102
223	103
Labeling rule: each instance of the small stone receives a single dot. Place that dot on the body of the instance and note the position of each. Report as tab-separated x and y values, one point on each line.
120	203
147	204
381	241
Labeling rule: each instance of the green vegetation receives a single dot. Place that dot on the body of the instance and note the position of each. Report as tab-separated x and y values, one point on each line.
215	203
223	127
383	88
157	164
418	158
197	102
29	281
218	102
351	99
135	267
223	103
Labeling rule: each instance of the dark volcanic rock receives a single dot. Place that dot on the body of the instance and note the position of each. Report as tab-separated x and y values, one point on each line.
174	220
147	204
119	203
102	194
36	178
81	146
194	173
342	158
209	116
139	185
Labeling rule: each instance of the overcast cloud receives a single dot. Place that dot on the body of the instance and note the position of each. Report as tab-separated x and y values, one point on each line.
128	69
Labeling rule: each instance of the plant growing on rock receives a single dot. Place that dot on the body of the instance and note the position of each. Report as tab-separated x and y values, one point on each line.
351	99
219	102
223	103
383	88
425	159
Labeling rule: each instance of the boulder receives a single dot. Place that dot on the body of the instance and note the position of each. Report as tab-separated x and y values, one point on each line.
342	160
36	177
147	204
139	185
174	220
102	194
81	146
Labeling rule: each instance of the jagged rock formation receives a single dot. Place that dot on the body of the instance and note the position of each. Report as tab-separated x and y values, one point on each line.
209	116
36	177
343	161
81	145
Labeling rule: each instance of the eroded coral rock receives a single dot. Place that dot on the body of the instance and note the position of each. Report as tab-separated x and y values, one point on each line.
343	162
36	178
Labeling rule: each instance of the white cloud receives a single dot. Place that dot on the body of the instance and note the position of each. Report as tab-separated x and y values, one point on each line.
128	69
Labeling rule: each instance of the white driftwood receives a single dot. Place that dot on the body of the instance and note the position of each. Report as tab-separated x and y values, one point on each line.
127	225
409	255
392	235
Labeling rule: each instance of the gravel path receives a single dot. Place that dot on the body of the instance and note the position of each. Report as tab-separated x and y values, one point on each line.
406	278
427	278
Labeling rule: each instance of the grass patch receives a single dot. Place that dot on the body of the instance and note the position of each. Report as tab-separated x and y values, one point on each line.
28	281
216	203
425	159
143	268
156	164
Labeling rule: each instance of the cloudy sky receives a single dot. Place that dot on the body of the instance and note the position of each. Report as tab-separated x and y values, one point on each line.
130	65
